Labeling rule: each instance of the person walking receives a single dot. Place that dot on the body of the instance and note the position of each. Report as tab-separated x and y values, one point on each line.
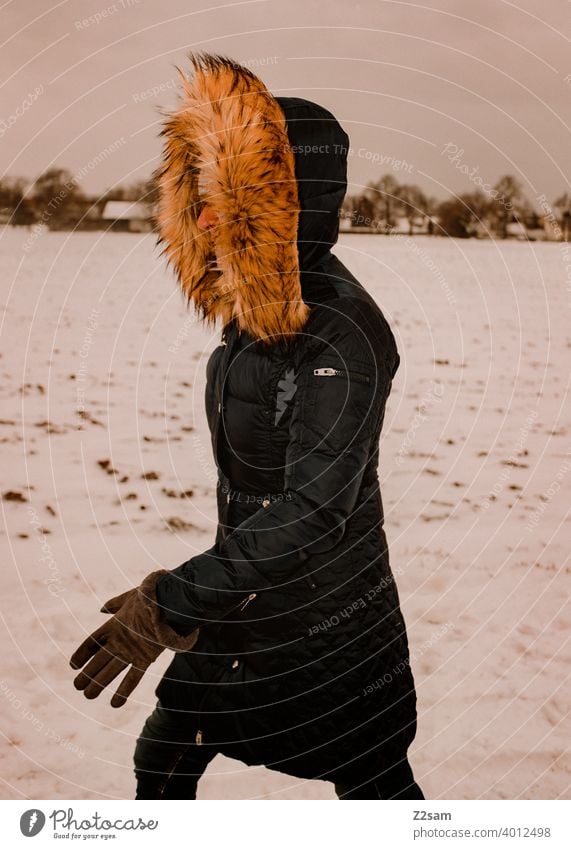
290	645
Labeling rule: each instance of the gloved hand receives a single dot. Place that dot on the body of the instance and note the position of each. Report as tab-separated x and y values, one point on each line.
135	636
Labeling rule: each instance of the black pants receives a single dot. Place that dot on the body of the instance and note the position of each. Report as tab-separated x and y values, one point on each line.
169	764
397	782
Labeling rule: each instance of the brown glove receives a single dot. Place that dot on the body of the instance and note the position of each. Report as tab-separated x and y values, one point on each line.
136	636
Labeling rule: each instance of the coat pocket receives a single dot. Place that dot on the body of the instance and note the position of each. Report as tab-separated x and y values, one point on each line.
350	374
343	405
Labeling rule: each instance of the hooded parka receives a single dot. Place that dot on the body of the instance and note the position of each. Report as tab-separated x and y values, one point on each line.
302	662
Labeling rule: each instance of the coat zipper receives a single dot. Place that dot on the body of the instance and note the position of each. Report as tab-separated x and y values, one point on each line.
229	344
247	601
198	737
226	357
340	372
242	606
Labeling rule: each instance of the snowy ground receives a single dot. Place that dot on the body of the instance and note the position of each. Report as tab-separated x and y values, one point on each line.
103	432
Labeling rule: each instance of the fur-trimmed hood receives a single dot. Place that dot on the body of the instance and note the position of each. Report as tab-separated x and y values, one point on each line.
273	169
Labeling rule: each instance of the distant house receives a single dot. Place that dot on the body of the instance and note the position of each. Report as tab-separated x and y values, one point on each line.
480	230
420	225
551	228
400	226
537	234
516	230
350	222
128	216
345	223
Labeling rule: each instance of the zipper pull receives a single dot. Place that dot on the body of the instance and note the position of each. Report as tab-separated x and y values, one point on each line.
247	601
198	738
312	583
328	371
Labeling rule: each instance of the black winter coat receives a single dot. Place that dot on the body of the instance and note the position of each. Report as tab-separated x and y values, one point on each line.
302	661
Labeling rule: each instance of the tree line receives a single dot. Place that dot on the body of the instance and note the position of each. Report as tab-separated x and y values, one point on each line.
471	214
57	199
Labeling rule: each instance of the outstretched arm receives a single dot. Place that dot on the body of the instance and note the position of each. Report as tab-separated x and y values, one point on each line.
334	418
337	409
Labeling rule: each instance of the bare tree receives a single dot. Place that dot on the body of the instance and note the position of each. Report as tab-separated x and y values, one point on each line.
413	203
53	193
384	197
509	204
563	206
13	201
463	216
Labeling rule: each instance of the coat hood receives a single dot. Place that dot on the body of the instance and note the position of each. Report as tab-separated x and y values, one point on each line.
274	170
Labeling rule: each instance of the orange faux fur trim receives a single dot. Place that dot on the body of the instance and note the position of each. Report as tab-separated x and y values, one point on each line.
227	144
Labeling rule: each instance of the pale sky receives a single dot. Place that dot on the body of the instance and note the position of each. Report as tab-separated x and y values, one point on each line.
491	80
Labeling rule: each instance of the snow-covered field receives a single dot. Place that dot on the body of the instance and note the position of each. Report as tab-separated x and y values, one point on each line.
107	474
